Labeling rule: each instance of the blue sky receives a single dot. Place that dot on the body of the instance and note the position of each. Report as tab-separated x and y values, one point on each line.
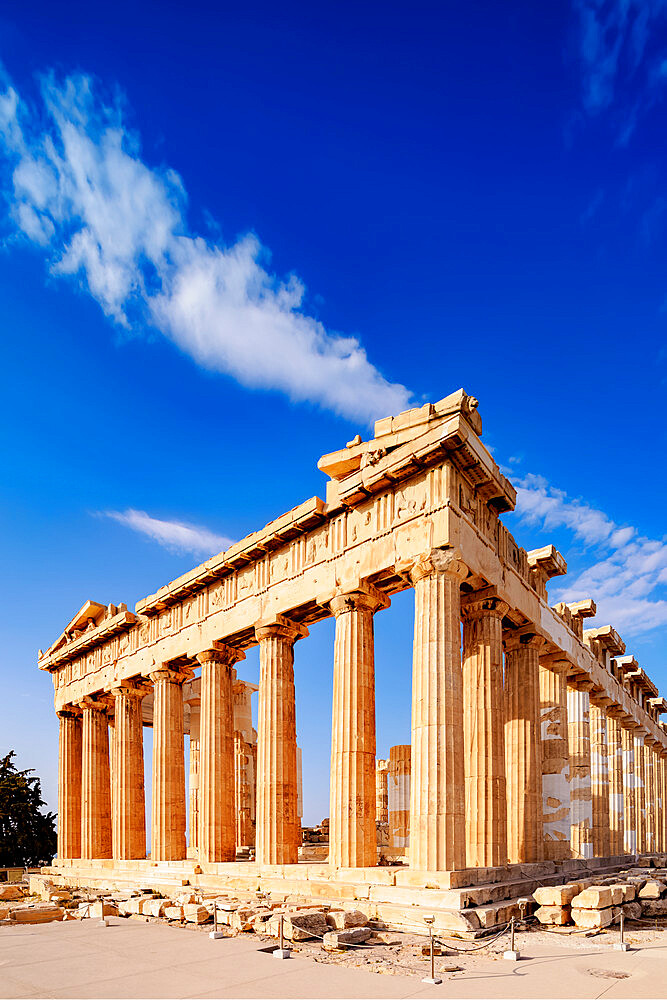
230	238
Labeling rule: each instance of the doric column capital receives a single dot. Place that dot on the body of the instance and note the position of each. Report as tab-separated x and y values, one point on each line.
167	673
69	712
522	639
99	702
483	603
281	627
362	597
556	662
447	561
600	700
135	687
615	712
221	652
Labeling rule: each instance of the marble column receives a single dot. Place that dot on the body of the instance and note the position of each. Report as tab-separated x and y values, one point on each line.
484	730
278	833
95	781
600	789
398	797
629	798
663	795
128	821
649	795
579	738
640	791
437	803
69	783
555	758
615	752
381	791
217	807
244	780
193	782
523	751
168	805
352	829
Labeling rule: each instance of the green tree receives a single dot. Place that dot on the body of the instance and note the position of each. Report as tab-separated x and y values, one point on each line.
27	835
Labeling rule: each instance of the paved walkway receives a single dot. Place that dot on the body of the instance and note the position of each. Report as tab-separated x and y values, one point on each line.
144	960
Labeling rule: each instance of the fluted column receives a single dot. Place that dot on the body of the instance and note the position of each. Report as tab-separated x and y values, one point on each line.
649	795
168	805
217	807
523	751
278	833
69	783
663	802
128	821
381	791
600	778
629	798
398	797
640	796
581	799
193	782
437	812
243	781
616	807
95	781
555	758
352	830
484	730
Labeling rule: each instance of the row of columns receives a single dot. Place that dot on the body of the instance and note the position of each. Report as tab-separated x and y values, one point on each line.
504	766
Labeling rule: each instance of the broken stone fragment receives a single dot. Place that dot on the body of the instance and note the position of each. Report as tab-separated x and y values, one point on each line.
155	907
10	892
173	912
101	909
37	914
593	919
652	889
632	911
342	919
557	915
556	895
654	907
196	914
596	897
333	940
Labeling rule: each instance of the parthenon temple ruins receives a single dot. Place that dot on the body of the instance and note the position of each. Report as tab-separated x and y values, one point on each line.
536	749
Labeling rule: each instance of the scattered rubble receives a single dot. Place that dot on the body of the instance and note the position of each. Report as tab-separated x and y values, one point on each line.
596	903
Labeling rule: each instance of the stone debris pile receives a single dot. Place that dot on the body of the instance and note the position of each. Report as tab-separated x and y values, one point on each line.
599	903
41	901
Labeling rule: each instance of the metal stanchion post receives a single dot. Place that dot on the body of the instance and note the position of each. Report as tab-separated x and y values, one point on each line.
215	933
512	955
621	945
432	979
282	951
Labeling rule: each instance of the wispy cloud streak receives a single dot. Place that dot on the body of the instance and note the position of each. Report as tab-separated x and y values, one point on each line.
623	57
77	186
627	575
177	536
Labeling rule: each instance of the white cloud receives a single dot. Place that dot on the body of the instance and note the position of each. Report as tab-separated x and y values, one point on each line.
80	189
628	571
177	536
622	51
